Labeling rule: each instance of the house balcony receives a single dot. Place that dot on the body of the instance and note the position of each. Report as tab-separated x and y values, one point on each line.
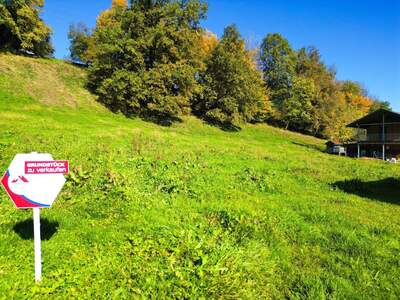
379	138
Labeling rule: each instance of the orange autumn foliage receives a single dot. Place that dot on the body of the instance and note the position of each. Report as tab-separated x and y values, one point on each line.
120	3
348	107
105	18
361	103
207	43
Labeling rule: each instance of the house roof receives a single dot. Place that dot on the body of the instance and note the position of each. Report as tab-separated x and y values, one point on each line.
376	117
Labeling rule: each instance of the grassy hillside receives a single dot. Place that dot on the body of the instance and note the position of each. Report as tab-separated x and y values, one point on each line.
188	211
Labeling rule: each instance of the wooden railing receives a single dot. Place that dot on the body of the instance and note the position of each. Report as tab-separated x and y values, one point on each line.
389	137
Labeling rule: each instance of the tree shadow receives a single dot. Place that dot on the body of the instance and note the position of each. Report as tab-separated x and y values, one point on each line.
161	119
224	126
385	190
309	146
25	229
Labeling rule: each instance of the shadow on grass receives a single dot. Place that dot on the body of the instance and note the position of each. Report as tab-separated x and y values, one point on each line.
386	190
309	146
224	126
25	229
160	119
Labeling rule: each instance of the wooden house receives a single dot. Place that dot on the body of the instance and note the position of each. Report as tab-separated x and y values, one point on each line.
378	135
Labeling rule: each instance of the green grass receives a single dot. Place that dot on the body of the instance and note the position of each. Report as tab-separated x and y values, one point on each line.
189	211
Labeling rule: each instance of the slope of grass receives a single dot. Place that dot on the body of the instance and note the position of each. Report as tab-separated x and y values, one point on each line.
189	211
49	81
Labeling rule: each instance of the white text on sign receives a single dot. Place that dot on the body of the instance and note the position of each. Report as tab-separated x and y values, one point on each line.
47	167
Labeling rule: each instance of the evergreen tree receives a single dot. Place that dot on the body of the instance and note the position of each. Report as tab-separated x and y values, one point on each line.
21	27
233	90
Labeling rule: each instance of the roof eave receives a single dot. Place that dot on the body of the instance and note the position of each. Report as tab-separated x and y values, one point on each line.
359	123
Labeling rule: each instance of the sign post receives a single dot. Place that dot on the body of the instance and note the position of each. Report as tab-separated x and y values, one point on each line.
34	181
38	246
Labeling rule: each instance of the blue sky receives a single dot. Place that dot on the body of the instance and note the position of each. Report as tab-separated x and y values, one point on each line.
360	37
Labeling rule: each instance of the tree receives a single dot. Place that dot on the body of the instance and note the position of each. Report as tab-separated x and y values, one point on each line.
21	27
357	89
378	104
106	18
80	39
233	89
278	63
352	87
207	41
310	65
298	108
120	3
145	59
348	107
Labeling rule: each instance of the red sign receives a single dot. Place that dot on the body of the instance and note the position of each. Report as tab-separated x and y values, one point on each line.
47	167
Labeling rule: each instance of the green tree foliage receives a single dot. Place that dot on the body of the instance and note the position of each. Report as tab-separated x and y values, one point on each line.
298	108
378	104
233	89
306	94
356	89
351	87
144	59
310	65
80	39
21	27
152	58
278	63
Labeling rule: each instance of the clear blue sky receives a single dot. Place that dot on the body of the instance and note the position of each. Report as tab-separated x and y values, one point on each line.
360	37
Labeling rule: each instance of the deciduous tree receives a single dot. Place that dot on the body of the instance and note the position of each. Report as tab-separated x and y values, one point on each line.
378	104
145	59
298	108
233	89
351	103
278	63
207	42
21	27
80	42
310	65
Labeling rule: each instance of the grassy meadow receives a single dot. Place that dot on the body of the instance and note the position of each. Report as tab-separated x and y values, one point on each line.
188	211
